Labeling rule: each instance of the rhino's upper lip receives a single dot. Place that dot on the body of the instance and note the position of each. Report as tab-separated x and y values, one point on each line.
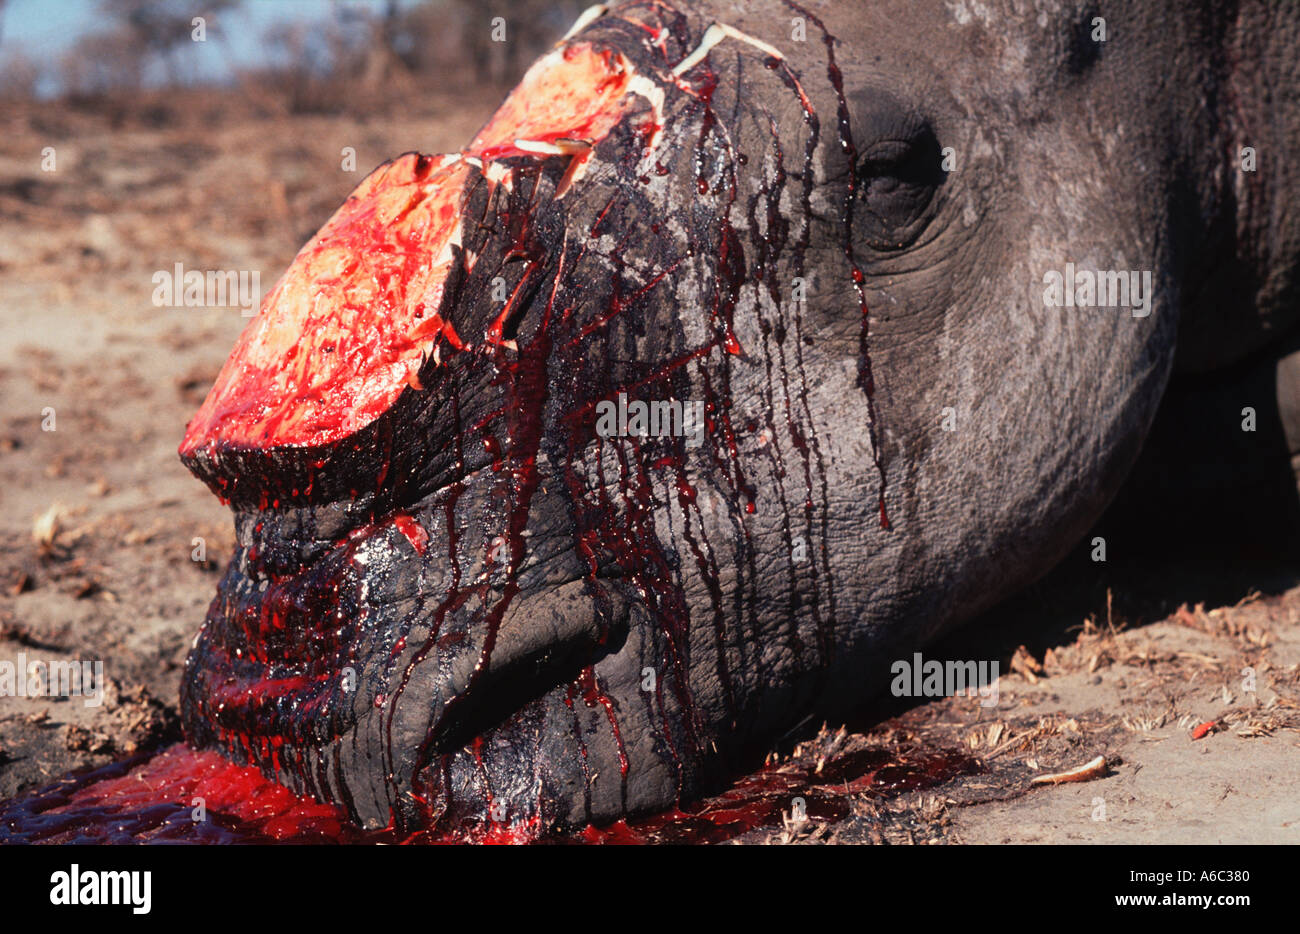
274	551
286	541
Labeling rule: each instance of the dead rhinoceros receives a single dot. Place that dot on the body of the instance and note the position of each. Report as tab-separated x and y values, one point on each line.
746	347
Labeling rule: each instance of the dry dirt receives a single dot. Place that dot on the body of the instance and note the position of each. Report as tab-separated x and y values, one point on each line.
1190	756
100	520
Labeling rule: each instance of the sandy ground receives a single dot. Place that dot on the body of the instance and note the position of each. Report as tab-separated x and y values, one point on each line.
100	520
1191	757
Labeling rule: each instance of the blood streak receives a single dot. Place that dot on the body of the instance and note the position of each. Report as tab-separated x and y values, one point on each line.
866	379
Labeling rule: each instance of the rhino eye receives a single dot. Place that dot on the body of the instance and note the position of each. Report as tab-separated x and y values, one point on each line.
897	179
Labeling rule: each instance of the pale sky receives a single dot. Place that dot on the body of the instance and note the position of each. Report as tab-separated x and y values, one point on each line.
44	29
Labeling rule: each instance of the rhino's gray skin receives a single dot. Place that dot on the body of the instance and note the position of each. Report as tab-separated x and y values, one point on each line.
1123	154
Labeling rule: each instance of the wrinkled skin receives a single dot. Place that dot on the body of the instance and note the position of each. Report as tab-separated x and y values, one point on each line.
472	607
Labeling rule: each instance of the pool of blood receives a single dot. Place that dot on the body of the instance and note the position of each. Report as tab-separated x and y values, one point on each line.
157	799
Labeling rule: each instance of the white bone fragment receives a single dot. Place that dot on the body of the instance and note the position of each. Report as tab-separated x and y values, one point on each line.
589	16
715	34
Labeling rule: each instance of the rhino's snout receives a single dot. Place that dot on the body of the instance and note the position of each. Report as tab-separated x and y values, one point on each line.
444	563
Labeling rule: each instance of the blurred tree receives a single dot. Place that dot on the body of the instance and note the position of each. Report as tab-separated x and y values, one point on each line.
140	34
530	27
382	67
19	76
161	27
100	63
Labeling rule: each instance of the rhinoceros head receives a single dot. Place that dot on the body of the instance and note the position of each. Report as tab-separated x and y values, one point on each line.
565	468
